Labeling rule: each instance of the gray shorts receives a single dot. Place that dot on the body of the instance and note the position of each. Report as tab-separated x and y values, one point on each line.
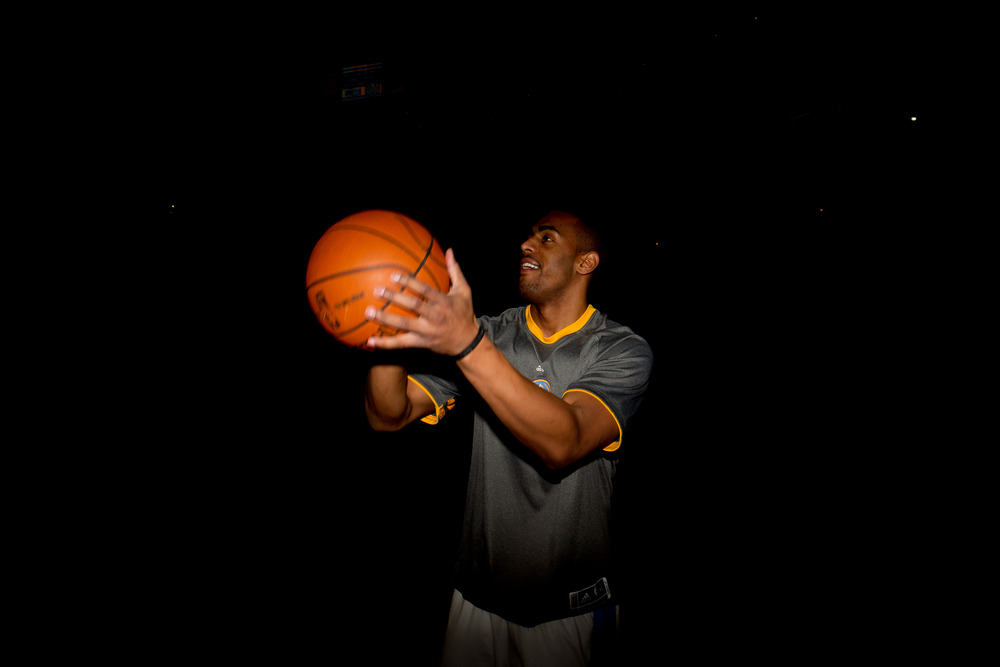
476	637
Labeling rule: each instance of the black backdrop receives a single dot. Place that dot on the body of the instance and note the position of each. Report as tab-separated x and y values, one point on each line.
760	177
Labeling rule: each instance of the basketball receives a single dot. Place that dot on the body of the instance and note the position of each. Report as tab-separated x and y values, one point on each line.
360	253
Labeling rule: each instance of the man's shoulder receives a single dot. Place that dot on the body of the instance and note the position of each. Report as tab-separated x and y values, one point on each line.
508	316
613	332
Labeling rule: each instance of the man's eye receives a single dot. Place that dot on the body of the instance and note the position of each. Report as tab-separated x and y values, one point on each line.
546	238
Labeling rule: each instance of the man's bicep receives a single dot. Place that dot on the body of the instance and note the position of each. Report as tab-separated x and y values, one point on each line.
617	382
429	399
599	428
421	403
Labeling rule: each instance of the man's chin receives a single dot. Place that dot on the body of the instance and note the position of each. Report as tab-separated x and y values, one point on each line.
528	293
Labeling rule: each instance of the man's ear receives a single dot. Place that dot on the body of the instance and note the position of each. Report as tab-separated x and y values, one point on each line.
587	262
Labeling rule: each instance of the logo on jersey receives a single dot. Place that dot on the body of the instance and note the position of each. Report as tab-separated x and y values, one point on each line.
544	384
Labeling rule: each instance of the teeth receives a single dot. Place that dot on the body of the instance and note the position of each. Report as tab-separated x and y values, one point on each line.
528	265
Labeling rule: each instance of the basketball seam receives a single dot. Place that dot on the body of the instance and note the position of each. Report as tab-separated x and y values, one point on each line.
345	332
370	267
401	246
424	261
413	235
380	234
426	254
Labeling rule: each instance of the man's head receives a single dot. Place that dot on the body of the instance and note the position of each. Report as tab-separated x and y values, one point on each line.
559	258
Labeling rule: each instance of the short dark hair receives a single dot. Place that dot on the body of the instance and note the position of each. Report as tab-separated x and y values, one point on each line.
594	234
591	236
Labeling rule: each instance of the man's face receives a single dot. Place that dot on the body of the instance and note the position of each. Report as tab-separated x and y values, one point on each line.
548	258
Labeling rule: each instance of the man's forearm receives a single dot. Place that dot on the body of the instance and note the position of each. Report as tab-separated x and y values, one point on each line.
543	422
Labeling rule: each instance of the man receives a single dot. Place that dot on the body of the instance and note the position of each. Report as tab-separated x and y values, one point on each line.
556	384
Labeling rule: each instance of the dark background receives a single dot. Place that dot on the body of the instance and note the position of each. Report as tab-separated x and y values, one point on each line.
766	189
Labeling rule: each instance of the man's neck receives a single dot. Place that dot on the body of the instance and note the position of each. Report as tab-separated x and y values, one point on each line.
552	318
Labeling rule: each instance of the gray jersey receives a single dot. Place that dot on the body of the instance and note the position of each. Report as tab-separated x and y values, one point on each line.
536	543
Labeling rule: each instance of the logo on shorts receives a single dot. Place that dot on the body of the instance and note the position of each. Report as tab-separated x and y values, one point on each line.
543	383
591	595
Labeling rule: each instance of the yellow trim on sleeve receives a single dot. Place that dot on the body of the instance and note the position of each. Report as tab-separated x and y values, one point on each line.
617	443
573	328
439	410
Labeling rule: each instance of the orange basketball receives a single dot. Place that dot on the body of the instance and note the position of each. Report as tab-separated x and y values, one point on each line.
358	254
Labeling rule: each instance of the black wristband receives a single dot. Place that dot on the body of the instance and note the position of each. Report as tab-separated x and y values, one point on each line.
472	345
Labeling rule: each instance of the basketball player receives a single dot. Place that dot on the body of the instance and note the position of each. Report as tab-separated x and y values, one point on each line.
559	384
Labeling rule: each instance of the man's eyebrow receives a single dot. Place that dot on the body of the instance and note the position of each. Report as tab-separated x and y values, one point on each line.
542	228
